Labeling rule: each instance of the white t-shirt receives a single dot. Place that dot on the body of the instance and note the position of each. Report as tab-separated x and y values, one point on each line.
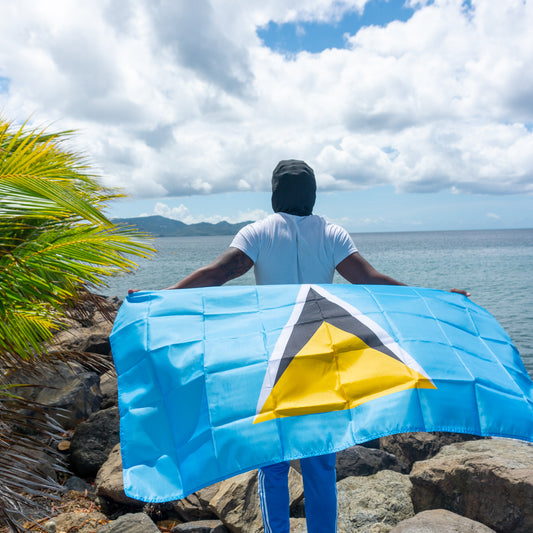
294	249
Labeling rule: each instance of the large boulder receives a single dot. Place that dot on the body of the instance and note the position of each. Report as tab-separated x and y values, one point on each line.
93	339
73	390
489	480
362	461
130	523
195	507
109	482
236	502
81	522
108	386
417	446
375	503
89	325
93	441
201	526
440	521
299	525
38	463
68	386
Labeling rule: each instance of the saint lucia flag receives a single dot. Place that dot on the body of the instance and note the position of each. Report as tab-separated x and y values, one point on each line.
221	380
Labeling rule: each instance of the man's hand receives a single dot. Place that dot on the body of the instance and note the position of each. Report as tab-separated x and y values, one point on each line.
460	291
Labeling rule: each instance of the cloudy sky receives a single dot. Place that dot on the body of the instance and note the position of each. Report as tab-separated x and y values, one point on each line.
415	114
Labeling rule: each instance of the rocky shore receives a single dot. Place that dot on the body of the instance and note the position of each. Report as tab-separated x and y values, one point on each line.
417	482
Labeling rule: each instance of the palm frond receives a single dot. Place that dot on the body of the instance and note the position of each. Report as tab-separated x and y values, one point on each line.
55	243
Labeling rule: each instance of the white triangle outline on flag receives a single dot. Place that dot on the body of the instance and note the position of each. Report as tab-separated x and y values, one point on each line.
281	344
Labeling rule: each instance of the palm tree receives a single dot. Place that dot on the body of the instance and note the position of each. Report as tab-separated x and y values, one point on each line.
55	244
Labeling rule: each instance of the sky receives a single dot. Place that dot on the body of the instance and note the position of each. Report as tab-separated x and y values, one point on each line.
414	114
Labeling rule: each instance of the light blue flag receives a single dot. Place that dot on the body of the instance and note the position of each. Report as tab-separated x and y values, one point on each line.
217	381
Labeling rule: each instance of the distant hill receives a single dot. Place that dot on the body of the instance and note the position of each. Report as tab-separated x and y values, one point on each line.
165	227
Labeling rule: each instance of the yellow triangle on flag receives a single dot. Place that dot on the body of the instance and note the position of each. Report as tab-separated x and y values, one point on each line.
335	369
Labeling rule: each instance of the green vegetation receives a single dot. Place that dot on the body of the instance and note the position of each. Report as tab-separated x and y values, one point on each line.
159	226
55	244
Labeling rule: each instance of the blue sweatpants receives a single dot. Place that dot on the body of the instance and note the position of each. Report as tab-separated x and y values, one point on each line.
320	492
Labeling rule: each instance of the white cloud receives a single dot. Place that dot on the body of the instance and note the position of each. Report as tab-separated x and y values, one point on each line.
178	98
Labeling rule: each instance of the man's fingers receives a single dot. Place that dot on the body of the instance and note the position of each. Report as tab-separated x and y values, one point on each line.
461	291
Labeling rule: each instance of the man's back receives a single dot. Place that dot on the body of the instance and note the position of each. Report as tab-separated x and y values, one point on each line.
294	249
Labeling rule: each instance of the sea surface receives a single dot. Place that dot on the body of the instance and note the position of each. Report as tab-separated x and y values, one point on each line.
496	266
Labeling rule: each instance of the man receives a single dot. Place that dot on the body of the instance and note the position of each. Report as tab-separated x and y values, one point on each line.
292	246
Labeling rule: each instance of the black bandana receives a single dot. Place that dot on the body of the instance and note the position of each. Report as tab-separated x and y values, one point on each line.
293	188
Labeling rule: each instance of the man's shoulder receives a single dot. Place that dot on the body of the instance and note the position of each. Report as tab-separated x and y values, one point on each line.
262	222
311	222
329	227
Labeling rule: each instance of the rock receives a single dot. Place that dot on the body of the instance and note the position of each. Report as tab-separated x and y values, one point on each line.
89	331
81	522
37	463
201	526
73	389
67	387
78	485
237	501
490	481
208	493
439	521
109	482
108	386
63	446
298	525
130	523
196	506
412	447
374	504
94	339
93	441
362	461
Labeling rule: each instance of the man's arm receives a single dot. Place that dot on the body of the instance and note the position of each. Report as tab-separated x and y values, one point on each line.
356	269
229	265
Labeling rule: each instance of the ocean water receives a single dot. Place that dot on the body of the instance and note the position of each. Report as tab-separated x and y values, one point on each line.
495	266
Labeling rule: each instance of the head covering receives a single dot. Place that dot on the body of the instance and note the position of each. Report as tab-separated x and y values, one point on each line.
293	188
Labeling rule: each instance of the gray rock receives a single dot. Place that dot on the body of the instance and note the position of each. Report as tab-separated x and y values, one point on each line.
237	501
411	447
201	526
362	461
78	485
94	338
298	525
490	481
38	463
69	391
81	522
439	521
130	523
74	390
374	504
109	483
195	507
108	386
208	493
93	441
